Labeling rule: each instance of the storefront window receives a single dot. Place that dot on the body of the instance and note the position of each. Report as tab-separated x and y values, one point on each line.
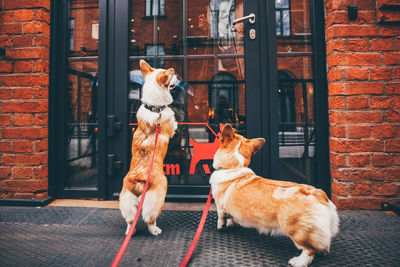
297	137
207	54
82	79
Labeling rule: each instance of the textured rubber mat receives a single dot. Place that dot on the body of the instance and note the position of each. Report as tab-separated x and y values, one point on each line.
64	236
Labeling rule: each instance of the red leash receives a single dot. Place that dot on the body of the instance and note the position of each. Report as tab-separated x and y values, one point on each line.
139	208
198	232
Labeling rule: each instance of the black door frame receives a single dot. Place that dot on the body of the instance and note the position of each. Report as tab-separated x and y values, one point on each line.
261	104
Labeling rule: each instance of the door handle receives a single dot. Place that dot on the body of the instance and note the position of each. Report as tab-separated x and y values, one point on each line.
251	18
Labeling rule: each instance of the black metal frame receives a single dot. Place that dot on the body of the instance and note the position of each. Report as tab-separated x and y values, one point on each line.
261	96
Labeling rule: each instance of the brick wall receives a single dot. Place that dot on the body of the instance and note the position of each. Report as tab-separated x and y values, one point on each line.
363	62
24	82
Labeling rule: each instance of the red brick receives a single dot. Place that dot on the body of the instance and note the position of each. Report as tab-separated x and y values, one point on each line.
24	195
23	119
336	102
41	119
5	120
335	74
5	172
5	93
366	17
41	145
355	116
388	3
24	159
334	45
23	14
392	173
40	66
354	59
382	44
360	189
336	88
42	15
23	41
22	185
358	160
6	16
382	160
357	74
339	189
388	16
380	74
37	27
363	88
6	66
22	66
354	146
338	159
22	93
31	53
25	80
390	30
392	116
392	145
41	40
25	132
383	131
357	45
22	146
356	203
5	146
17	106
359	131
41	93
356	102
354	30
22	172
391	58
11	28
6	40
380	102
40	172
392	88
385	189
42	195
337	131
17	4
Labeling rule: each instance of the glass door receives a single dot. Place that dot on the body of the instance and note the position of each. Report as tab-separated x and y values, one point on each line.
217	62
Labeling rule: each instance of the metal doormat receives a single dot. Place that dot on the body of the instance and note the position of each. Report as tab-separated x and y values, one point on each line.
65	236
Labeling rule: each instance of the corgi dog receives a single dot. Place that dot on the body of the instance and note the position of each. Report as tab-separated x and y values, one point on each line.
154	110
300	211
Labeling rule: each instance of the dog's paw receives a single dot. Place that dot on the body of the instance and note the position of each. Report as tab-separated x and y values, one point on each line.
301	261
220	224
230	223
154	230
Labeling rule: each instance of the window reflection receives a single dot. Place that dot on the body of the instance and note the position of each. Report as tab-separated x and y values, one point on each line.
82	126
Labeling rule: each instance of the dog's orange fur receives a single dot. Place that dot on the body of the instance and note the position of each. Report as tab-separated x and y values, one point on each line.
142	150
300	211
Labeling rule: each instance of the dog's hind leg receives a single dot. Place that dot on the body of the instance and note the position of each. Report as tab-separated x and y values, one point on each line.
152	208
128	205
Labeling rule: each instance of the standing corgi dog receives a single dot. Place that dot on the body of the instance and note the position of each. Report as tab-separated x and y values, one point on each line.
300	211
154	109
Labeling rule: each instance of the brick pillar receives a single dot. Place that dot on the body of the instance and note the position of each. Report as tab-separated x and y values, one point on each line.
363	61
24	84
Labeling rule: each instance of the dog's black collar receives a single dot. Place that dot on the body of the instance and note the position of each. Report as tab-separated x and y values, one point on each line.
154	108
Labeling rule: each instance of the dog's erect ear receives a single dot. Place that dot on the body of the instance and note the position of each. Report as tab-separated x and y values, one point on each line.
257	144
145	68
227	133
165	77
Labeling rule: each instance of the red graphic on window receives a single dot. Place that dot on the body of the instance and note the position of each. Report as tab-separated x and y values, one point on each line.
203	151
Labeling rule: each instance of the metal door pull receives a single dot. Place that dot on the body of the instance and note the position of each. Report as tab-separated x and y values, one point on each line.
251	18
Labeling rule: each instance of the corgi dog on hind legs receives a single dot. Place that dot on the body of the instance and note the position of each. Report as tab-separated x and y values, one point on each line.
154	109
300	211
